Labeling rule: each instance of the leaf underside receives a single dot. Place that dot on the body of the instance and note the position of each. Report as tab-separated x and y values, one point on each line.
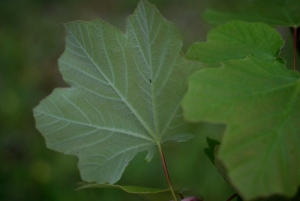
124	97
272	12
258	99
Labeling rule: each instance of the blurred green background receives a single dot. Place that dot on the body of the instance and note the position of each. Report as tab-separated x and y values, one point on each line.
31	40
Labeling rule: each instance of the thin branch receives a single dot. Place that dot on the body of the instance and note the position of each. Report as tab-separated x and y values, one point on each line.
181	196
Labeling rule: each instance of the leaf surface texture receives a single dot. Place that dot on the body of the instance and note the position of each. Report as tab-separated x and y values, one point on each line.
124	97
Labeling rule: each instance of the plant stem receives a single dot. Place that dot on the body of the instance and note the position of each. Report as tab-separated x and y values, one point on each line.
295	46
162	156
231	197
181	196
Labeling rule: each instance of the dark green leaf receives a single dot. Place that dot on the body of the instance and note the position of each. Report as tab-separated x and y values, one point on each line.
210	151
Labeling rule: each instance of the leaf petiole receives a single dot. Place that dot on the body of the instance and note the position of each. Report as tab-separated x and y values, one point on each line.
162	156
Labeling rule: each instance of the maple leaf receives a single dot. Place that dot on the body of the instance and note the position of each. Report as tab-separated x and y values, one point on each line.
124	97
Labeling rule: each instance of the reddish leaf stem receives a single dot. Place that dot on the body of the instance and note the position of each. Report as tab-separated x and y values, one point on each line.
232	197
162	156
181	196
295	46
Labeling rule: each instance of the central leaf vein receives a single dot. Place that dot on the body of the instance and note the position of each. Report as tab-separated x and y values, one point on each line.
115	89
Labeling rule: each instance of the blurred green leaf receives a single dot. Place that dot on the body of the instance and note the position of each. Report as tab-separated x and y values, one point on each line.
272	12
236	40
258	99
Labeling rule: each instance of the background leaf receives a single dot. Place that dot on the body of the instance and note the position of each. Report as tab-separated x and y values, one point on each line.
272	12
258	100
257	39
122	98
210	151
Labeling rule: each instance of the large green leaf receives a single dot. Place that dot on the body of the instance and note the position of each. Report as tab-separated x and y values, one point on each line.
259	100
273	12
124	97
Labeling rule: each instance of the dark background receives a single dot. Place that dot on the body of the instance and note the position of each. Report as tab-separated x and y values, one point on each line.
31	40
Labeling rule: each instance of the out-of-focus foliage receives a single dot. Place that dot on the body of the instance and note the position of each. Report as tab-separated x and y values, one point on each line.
273	12
260	73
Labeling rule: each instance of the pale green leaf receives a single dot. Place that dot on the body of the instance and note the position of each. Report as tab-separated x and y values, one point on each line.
124	97
272	12
259	101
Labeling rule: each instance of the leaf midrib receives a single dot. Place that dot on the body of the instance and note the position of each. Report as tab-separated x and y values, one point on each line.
114	88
